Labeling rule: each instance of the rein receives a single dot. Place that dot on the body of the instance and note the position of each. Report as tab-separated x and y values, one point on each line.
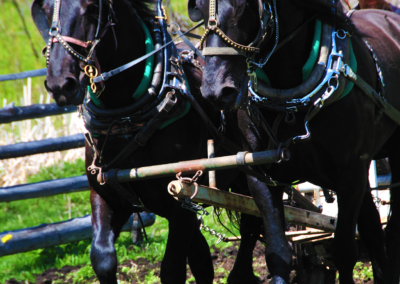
105	76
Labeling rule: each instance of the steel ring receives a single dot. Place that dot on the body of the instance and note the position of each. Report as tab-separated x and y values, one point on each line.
178	28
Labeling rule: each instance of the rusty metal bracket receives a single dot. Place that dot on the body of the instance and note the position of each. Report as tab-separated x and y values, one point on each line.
188	204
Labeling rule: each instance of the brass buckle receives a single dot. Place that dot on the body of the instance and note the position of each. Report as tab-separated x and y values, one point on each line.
91	72
165	14
252	75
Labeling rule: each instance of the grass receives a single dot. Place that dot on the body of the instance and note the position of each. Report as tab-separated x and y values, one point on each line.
32	212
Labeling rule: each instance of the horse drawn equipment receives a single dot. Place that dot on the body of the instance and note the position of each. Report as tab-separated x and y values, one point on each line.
240	54
163	96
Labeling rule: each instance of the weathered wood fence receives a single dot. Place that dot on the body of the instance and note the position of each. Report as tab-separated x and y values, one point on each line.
46	235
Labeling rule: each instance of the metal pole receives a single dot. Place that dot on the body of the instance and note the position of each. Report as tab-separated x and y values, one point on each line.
221	163
212	182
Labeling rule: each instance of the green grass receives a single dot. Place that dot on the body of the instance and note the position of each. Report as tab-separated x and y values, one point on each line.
33	212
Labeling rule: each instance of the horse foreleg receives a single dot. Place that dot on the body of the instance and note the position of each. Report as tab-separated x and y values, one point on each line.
350	192
242	271
371	233
278	253
106	225
199	258
393	227
182	222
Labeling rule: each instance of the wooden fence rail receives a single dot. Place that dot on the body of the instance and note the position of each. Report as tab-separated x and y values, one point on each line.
11	113
23	75
42	146
43	189
48	235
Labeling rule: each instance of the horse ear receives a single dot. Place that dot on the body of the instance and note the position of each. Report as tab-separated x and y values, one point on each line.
193	11
40	19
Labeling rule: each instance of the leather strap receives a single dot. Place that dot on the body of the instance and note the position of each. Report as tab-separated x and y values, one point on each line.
387	108
222	51
126	194
249	171
218	136
105	76
145	133
82	43
192	47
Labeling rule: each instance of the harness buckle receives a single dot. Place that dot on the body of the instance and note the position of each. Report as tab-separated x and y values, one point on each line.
348	72
91	72
212	24
162	17
54	31
252	75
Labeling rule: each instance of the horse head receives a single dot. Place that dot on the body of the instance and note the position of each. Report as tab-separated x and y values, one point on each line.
229	31
71	30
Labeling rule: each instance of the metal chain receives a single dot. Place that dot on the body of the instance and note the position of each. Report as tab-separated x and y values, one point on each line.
211	231
378	69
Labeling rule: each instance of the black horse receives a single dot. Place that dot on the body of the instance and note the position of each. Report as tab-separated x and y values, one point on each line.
340	140
106	35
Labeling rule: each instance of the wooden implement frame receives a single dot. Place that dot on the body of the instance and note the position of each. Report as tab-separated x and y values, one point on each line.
246	204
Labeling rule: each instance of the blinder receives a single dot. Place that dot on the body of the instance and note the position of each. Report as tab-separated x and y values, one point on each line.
40	19
193	11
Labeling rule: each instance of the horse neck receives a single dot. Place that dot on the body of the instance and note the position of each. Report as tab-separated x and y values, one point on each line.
131	45
284	68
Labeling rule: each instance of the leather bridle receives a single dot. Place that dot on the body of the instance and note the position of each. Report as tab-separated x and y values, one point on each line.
265	17
92	66
267	20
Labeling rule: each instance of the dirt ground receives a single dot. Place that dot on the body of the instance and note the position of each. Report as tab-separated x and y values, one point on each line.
135	271
223	262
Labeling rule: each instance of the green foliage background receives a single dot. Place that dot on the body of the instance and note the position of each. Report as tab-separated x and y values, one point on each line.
20	49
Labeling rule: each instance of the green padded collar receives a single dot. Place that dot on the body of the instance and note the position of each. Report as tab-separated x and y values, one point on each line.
312	60
148	70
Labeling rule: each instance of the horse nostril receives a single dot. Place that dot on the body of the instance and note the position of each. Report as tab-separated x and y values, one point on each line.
70	85
229	91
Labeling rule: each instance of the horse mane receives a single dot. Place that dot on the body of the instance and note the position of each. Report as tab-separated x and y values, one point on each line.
142	8
325	8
